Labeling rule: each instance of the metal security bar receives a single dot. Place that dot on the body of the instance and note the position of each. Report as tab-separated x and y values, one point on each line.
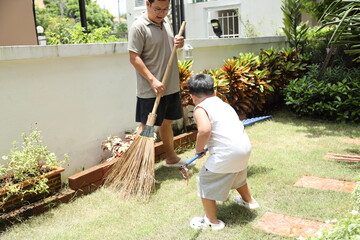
229	22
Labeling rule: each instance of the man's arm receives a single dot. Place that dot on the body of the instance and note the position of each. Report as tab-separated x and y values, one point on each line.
140	66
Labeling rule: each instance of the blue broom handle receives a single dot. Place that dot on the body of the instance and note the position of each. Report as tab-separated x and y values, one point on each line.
245	123
194	158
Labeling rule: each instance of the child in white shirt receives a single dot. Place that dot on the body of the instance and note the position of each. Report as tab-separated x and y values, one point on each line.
221	130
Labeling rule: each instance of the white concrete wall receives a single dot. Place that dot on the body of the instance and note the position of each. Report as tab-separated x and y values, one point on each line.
211	53
197	19
78	95
264	15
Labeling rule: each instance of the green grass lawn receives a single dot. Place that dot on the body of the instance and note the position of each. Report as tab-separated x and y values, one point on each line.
284	149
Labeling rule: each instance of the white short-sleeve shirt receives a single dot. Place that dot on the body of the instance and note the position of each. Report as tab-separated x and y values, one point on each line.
154	43
229	145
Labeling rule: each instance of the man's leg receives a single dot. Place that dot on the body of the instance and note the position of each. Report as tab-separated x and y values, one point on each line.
167	137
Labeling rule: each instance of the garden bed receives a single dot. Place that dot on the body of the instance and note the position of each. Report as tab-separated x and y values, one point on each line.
18	200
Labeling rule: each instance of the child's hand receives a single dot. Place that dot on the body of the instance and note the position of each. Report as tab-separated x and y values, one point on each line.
201	154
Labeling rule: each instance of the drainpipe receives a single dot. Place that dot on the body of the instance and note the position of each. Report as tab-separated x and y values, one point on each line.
177	14
83	15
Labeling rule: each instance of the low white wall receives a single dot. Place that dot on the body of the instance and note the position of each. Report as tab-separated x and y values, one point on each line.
211	53
78	95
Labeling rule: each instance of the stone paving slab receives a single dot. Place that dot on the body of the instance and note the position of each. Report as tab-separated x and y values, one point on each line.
289	226
352	140
341	157
325	184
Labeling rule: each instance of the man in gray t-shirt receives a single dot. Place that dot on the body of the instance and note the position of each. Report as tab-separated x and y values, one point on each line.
151	41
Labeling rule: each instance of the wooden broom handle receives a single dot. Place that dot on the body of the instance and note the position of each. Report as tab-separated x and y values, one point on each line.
168	67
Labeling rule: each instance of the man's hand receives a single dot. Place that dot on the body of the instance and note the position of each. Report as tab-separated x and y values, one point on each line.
157	87
179	41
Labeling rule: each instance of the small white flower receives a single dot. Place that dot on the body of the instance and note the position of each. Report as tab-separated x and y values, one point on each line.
5	158
354	212
334	221
327	221
300	238
319	234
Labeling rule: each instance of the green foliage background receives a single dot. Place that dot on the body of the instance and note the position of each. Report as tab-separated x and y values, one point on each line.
61	22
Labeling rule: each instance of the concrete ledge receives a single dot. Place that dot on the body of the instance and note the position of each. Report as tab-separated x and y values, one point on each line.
204	43
58	51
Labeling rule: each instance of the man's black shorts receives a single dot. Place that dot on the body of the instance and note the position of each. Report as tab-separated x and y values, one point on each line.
169	108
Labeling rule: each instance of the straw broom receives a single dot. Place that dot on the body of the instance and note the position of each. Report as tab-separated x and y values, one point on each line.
133	173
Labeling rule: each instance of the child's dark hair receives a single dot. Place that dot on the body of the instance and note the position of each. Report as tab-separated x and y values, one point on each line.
201	85
151	1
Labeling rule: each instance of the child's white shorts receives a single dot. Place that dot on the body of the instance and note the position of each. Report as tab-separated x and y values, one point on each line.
216	186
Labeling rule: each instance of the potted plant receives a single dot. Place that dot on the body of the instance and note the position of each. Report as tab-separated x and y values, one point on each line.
32	172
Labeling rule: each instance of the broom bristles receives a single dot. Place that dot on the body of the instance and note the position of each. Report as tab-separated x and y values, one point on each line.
134	171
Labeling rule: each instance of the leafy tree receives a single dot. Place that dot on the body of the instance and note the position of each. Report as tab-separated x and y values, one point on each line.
58	30
96	16
120	27
64	31
294	29
315	8
43	17
61	21
345	16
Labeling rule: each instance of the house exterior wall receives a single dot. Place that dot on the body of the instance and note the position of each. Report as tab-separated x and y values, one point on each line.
257	17
17	23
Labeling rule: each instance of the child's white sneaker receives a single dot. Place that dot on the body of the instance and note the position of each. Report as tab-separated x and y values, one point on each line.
203	223
238	200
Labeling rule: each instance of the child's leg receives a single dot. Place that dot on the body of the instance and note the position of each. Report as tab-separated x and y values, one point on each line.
245	193
210	210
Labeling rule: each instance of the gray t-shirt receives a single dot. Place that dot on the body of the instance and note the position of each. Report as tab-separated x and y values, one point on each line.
153	42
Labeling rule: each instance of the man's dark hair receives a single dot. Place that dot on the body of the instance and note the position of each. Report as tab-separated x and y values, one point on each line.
151	1
201	85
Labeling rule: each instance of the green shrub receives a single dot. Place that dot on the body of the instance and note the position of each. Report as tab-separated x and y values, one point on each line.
185	73
334	96
255	82
249	82
346	228
315	49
